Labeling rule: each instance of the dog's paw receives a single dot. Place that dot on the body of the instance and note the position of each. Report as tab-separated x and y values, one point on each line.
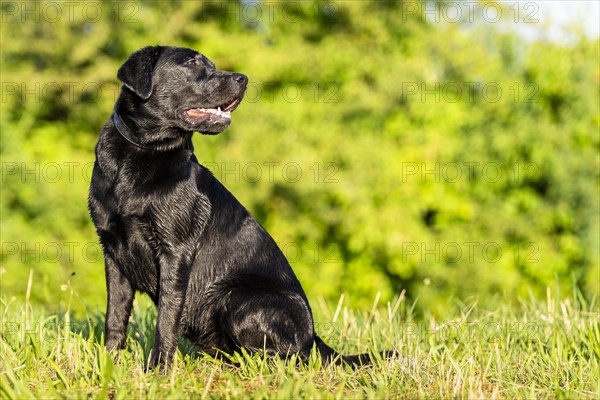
159	359
113	344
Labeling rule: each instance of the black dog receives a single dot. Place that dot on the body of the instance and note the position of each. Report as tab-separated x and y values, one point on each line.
170	229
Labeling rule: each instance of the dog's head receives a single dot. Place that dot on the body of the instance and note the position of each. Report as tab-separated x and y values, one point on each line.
182	89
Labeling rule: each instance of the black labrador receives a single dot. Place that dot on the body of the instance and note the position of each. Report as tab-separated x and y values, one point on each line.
170	229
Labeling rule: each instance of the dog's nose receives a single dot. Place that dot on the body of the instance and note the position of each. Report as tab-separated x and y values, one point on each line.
240	78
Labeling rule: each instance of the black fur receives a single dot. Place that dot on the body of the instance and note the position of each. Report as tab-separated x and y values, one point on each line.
170	229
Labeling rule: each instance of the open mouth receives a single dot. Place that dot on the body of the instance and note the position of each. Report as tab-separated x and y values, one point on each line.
219	114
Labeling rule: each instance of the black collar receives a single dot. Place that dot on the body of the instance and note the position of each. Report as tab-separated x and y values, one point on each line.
127	134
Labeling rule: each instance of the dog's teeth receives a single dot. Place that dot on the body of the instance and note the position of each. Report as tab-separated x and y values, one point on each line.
215	111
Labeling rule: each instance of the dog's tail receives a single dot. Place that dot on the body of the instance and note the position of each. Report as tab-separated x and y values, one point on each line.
330	356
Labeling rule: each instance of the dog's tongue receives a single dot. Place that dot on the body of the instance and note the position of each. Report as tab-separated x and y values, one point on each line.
203	114
196	113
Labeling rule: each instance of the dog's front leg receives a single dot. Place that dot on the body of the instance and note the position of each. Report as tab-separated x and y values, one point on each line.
118	307
173	280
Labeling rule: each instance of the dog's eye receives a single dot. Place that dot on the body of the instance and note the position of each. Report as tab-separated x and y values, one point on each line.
193	61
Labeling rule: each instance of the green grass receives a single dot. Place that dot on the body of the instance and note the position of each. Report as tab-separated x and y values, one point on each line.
537	349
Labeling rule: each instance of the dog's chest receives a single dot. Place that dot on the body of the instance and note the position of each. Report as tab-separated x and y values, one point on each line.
140	225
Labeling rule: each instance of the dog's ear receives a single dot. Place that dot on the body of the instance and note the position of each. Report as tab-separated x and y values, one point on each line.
136	73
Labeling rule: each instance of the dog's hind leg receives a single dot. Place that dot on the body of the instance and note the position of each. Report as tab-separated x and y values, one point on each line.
277	323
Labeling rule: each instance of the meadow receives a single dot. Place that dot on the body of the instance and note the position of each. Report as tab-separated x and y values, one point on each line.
547	349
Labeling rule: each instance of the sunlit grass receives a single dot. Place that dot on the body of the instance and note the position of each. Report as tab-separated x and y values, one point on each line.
539	349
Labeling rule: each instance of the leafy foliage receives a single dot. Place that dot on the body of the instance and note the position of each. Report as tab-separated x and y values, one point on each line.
382	151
